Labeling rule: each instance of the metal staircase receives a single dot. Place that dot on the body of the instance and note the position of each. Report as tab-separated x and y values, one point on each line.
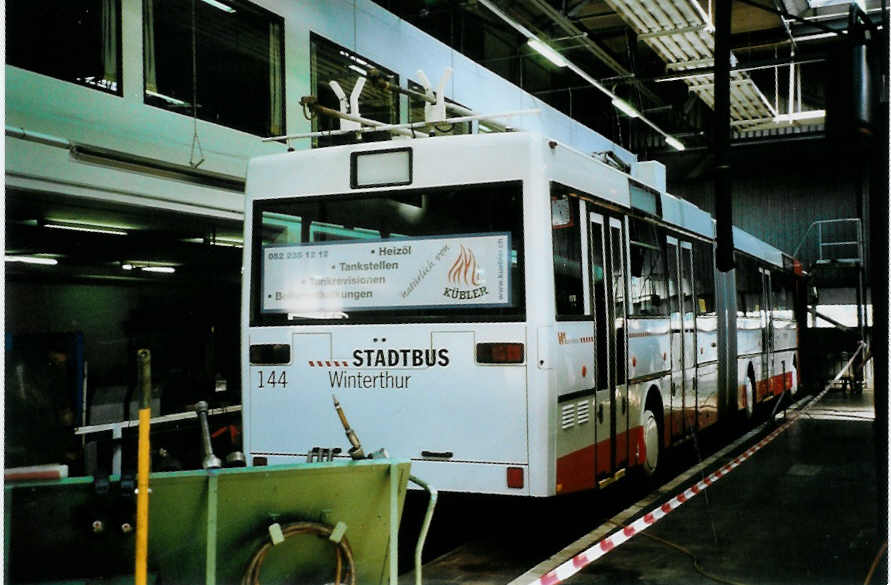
832	252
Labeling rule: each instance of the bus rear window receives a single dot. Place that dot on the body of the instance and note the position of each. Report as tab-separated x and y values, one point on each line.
445	254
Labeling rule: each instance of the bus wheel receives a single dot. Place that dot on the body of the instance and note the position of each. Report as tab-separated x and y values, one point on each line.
652	442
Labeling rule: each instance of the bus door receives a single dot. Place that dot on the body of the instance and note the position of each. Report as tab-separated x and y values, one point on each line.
688	310
683	332
767	365
608	276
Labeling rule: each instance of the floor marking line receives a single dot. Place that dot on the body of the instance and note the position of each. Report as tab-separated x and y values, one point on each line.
588	555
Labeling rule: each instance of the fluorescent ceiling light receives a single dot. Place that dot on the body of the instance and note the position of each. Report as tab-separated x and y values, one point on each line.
352	57
625	107
32	260
796	116
146	267
225	242
96	229
817	36
162	269
675	143
220	5
358	70
547	52
489	4
166	98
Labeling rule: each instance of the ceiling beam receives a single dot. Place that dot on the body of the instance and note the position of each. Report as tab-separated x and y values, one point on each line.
595	49
788	16
709	71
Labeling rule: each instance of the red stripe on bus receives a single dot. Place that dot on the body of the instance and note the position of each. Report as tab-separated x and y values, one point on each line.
576	471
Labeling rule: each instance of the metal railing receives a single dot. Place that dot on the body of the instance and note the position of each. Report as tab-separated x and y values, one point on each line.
837	241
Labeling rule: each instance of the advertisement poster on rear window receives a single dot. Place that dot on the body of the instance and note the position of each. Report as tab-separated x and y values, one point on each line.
471	270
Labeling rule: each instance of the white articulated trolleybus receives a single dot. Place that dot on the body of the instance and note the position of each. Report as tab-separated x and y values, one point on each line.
510	314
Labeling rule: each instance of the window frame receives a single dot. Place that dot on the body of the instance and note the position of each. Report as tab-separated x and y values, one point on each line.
257	9
321	40
578	218
516	313
661	232
119	72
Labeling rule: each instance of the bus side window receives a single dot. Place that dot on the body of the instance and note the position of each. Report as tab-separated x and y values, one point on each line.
748	287
566	236
647	262
782	295
704	273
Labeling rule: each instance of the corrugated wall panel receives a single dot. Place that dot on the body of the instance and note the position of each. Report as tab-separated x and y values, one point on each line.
778	204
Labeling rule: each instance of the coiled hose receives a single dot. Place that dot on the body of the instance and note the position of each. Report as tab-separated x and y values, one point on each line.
342	549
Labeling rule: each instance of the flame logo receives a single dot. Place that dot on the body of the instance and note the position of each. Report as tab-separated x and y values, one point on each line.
465	268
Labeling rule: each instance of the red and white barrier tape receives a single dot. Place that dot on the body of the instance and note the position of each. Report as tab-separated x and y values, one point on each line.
619	537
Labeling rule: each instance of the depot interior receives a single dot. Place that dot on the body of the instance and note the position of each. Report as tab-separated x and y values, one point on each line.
129	124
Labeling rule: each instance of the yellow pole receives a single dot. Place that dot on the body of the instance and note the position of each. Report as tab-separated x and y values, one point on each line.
143	466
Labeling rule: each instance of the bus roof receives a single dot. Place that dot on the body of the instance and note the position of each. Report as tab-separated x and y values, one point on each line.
277	174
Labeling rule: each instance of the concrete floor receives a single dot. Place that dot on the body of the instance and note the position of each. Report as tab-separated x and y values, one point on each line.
804	509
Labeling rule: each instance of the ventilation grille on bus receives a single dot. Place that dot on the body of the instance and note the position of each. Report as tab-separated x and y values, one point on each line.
582	412
567	416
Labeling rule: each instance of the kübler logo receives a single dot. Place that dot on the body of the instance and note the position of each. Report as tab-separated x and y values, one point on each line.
465	272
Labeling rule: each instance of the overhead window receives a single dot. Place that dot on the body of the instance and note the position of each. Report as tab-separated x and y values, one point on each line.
75	40
331	62
220	60
648	278
645	199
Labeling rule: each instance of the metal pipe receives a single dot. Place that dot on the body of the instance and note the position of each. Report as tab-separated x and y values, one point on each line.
389	127
382	83
48	139
425	525
144	358
829	320
211	461
367	121
709	71
355	451
723	201
861	304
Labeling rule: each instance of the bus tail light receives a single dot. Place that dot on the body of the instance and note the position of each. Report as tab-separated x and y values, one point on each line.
499	353
515	477
270	354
